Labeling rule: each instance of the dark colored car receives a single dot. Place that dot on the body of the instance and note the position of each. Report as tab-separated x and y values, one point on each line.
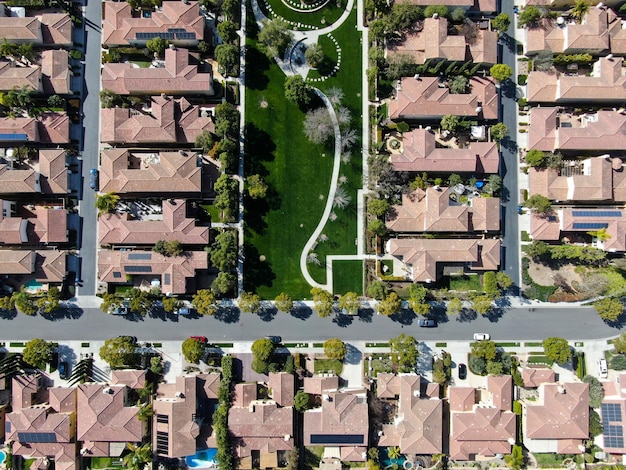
93	179
132	338
274	339
202	339
64	370
462	371
427	323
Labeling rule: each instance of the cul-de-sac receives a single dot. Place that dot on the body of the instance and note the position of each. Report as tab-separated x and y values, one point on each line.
312	234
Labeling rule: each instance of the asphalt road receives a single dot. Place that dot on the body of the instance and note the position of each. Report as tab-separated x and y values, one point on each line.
509	161
574	323
91	146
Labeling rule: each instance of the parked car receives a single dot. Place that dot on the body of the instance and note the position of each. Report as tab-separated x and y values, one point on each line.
274	339
64	370
202	339
93	179
184	308
132	338
427	323
603	370
481	336
462	371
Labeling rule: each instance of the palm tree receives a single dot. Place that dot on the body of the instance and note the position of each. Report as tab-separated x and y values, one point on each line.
581	8
145	411
106	203
516	459
138	456
394	452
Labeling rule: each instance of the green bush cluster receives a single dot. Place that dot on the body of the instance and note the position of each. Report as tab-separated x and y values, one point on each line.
224	455
580	59
27	3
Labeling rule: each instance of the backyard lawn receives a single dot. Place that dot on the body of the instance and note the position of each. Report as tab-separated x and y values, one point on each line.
299	176
325	365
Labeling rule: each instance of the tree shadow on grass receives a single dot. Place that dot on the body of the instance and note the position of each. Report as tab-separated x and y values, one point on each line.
259	147
257	64
256	210
257	273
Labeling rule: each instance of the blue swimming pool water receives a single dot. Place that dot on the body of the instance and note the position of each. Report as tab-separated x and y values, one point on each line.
3	456
33	284
386	461
202	459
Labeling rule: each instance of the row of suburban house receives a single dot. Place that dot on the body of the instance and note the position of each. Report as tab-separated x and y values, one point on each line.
34	188
146	156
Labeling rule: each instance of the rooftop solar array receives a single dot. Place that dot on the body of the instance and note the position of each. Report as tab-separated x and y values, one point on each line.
140	256
597	213
138	269
12	137
613	434
171	34
36	437
590	225
353	439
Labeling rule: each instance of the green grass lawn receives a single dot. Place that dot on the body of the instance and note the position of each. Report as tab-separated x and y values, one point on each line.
466	283
324	365
312	456
348	276
102	462
550	460
298	174
321	18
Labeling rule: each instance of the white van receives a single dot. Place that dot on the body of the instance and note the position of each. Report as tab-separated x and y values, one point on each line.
603	370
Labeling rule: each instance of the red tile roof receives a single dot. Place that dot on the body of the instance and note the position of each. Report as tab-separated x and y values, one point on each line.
56	72
533	377
12	76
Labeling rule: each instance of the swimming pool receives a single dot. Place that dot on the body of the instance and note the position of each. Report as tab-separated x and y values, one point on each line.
3	457
33	285
202	459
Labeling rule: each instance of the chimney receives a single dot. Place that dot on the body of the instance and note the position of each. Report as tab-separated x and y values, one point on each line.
108	390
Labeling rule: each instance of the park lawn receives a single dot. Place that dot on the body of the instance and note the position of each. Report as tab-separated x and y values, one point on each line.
466	283
321	18
324	365
348	276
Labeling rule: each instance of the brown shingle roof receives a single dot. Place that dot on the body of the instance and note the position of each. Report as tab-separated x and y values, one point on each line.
318	384
420	153
50	265
132	378
56	72
423	98
54	128
177	77
49	225
282	386
423	255
17	261
13	230
12	76
261	426
56	28
533	377
54	174
501	389
21	30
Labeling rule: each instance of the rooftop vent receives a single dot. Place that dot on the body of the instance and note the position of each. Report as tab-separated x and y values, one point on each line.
108	391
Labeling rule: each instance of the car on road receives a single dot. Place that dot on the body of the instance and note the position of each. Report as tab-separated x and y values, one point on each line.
183	308
93	179
481	336
64	370
427	323
603	370
274	339
462	371
131	338
202	339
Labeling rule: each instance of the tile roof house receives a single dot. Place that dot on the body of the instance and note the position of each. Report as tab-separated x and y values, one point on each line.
175	272
106	416
50	265
56	29
533	377
125	171
17	261
434	42
601	31
132	378
49	29
551	130
56	72
426	98
431	210
259	428
341	421
606	84
321	383
613	413
176	432
13	230
282	386
168	120
423	257
121	229
176	77
481	420
419	152
46	224
53	171
418	425
121	27
13	76
56	420
49	128
558	421
475	5
19	181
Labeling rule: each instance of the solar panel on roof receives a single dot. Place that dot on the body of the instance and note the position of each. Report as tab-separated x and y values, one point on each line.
590	225
612	412
185	35
138	269
140	256
43	437
337	439
176	30
597	213
13	137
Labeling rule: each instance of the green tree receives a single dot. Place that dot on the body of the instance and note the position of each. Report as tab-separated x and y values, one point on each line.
417	299
145	411
458	85
529	16
263	349
157	45
334	348
535	158
108	98
24	302
504	280
580	9
501	23
227	31
450	123
110	302
404	352
106	203
557	349
596	392
227	57
284	302
297	91
620	344
609	309
537	249
440	10
494	368
193	350
543	61
377	207
226	121
223	253
377	227
394	452
390	305
55	101
323	301
482	304
275	36
119	352
455	306
595	424
139	301
301	401
458	15
377	290
138	456
249	302
314	55
500	130
7	303
205	141
37	352
257	188
170	304
224	283
204	302
484	349
349	302
538	203
515	459
490	284
168	247
50	302
501	72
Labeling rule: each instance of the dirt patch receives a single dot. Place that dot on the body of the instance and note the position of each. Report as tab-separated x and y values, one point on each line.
545	275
